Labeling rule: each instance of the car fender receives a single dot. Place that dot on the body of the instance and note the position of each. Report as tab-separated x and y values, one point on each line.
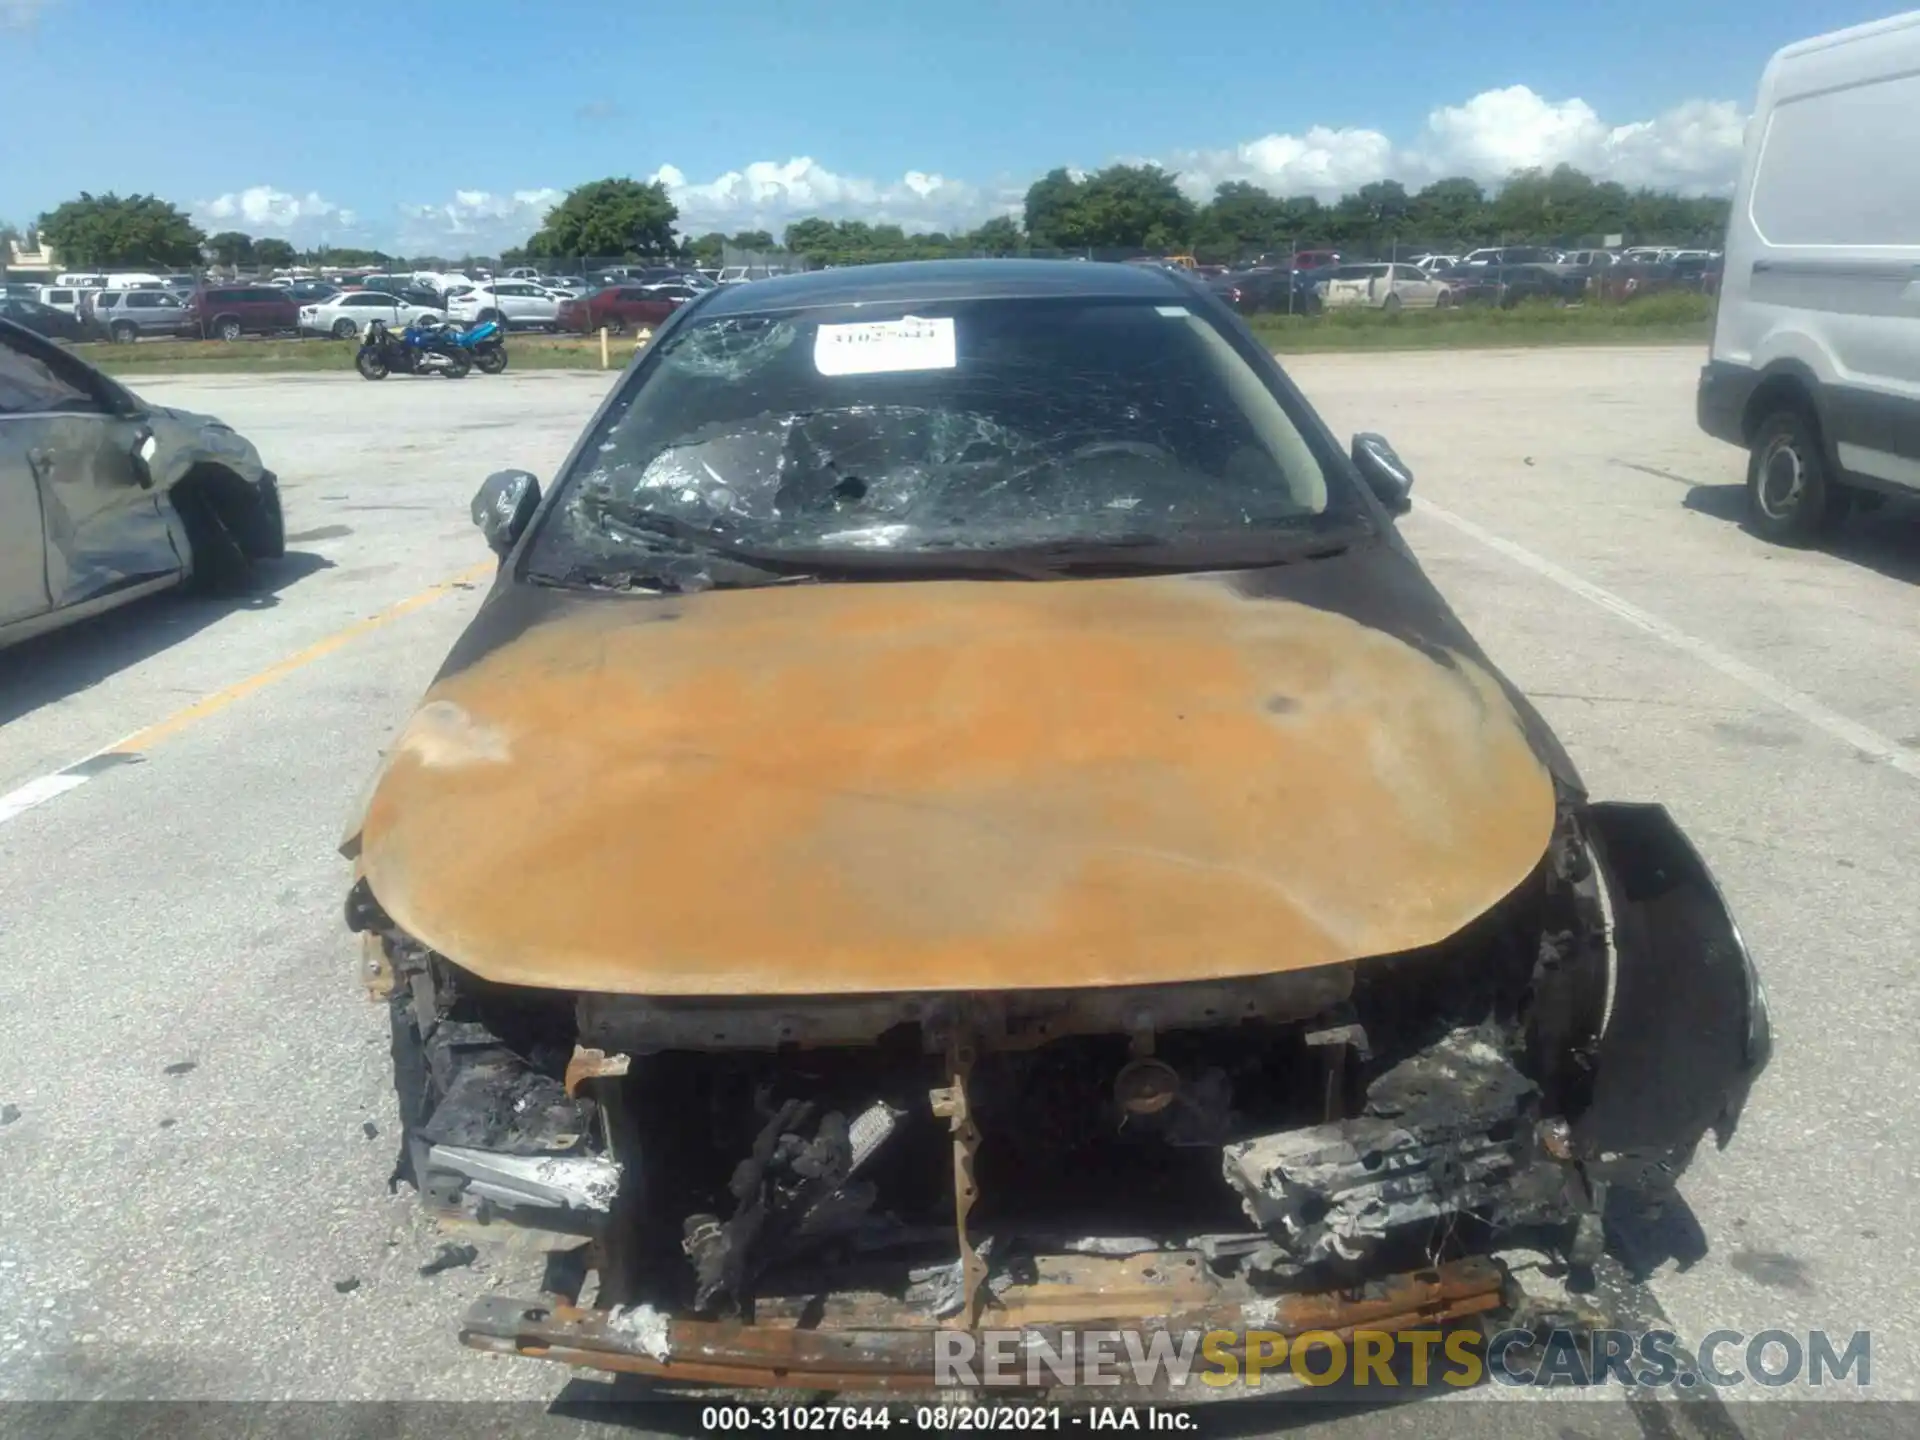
185	441
1687	1030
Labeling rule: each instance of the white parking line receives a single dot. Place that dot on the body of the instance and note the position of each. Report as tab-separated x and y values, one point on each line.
1866	740
37	792
130	748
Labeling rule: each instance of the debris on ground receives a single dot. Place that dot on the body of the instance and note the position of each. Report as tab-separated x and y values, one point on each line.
9	1114
450	1256
370	1130
182	1067
167	1122
348	1285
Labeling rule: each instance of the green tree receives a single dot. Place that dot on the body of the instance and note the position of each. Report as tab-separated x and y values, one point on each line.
813	238
757	240
999	236
347	255
231	248
114	230
709	249
1052	209
1129	207
1240	219
271	254
622	219
1448	211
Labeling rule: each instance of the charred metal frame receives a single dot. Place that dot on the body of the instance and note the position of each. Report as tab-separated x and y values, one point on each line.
880	1347
1644	1011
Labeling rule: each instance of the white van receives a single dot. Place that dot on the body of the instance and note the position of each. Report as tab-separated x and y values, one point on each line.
63	297
1815	366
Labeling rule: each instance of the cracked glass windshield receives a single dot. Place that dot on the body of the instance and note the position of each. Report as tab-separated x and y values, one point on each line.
1075	427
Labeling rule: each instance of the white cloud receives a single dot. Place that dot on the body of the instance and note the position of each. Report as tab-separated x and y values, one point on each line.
771	194
477	222
21	14
1323	162
262	210
1694	147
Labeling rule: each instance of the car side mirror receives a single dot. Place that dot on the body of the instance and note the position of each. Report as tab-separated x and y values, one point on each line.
1385	473
504	505
145	447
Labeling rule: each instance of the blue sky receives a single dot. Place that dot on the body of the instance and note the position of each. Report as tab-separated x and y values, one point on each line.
431	124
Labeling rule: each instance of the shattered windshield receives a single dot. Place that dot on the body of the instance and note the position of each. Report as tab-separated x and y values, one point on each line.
983	426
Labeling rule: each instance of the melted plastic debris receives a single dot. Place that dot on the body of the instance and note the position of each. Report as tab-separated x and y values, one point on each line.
940	1290
646	1327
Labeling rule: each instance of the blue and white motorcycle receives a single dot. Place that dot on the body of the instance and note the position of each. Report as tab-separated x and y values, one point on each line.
417	350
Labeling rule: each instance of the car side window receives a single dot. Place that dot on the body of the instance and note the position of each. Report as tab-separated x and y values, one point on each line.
28	385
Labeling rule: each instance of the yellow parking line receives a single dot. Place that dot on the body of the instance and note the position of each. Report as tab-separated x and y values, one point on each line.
220	699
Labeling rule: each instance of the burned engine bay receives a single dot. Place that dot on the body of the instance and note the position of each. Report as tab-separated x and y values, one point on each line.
939	1159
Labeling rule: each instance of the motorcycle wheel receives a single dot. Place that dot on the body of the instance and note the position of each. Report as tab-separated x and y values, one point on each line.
370	364
492	361
457	365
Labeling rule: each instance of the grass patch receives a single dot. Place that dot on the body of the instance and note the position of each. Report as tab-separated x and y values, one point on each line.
311	356
1675	318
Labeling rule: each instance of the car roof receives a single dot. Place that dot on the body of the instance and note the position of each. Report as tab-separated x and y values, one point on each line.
916	281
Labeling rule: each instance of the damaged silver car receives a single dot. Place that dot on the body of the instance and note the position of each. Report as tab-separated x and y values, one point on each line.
961	811
105	498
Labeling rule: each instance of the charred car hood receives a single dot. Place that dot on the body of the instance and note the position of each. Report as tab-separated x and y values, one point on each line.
989	785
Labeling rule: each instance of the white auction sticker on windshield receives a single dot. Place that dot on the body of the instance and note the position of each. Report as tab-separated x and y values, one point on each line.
882	347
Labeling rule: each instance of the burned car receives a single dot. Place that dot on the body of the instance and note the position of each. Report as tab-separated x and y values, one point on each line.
959	811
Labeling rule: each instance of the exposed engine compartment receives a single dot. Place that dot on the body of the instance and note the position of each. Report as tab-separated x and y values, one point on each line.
736	1159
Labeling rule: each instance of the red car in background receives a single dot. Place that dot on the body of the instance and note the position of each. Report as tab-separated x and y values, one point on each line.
1315	259
226	312
619	308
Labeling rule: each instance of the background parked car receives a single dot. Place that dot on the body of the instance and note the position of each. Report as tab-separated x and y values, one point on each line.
1510	285
105	498
674	290
1633	280
617	307
136	313
348	313
1384	287
516	304
1315	259
94	306
1269	289
42	319
227	312
313	292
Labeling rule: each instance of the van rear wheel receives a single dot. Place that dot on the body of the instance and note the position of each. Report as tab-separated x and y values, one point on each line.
1791	499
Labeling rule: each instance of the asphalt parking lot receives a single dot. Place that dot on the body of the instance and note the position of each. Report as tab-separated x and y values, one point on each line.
193	1197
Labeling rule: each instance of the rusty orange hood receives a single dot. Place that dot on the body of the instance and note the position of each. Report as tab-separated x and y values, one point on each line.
953	785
